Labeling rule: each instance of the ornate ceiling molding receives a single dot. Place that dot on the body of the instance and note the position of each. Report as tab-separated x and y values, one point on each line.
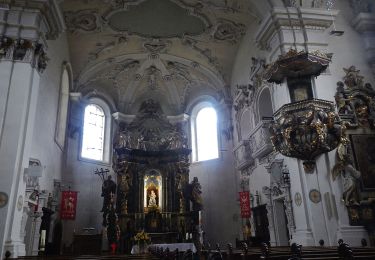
226	30
87	20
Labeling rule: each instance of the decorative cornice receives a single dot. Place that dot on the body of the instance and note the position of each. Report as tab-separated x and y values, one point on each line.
293	18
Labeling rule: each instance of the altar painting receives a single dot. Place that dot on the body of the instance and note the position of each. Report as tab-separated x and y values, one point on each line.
152	191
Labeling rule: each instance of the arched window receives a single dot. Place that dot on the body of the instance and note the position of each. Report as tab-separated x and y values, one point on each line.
93	133
62	113
204	133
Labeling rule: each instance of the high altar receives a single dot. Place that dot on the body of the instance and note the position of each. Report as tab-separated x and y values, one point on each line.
152	166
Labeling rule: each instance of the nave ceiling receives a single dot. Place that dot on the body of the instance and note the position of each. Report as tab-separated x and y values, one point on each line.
168	50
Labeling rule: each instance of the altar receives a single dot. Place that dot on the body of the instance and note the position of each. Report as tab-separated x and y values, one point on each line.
182	247
151	159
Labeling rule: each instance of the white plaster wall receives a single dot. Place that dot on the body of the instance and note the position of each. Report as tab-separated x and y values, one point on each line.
44	147
79	175
220	216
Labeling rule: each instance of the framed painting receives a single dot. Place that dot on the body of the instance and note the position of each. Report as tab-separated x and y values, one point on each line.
364	153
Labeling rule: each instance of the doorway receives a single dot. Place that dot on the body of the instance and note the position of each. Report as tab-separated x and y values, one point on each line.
281	223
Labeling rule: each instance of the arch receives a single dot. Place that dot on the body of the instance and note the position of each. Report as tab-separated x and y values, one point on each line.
204	131
245	123
264	104
100	130
66	83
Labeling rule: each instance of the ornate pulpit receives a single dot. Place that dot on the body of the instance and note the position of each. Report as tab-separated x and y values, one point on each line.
152	165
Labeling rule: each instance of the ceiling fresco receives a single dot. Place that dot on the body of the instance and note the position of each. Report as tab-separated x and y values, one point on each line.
133	50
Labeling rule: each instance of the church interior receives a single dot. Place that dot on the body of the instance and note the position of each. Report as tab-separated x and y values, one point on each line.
218	128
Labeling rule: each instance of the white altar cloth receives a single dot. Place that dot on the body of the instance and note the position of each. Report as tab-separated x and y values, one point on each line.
171	247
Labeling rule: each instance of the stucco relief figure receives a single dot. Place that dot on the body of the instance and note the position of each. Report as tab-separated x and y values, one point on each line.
350	179
342	101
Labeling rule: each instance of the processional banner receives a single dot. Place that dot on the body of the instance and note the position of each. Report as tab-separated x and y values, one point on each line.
245	204
68	204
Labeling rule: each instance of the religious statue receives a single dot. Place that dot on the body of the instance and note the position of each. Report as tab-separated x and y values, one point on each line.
108	191
124	187
350	175
152	200
196	191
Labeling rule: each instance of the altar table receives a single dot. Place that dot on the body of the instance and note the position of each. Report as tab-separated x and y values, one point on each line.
172	247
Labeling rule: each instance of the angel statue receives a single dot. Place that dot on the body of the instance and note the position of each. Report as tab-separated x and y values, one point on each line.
350	175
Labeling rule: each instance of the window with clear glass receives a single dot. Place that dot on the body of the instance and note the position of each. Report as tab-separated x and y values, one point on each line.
205	140
93	133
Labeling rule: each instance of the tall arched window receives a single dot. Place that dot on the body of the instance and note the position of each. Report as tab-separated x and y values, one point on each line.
93	133
62	113
205	144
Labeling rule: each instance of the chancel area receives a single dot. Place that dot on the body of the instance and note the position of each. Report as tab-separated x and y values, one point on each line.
187	129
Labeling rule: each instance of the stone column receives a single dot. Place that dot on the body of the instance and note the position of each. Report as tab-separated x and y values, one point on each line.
23	34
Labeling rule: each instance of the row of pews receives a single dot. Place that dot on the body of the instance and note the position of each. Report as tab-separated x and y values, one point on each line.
294	252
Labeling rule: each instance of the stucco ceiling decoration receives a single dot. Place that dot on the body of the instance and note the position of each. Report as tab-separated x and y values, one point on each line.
170	49
158	19
165	78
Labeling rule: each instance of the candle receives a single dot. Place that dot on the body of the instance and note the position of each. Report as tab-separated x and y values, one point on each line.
187	236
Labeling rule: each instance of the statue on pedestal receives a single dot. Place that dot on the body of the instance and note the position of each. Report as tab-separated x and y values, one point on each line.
108	191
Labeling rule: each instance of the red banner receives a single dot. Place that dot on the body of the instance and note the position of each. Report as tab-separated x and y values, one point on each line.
68	204
245	204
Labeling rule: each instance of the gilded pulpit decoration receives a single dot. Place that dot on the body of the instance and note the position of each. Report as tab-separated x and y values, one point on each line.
355	100
306	129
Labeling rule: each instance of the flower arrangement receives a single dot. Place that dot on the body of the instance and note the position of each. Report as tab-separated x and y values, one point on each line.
142	237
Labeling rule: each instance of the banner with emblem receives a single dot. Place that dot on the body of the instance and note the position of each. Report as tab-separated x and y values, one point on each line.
245	204
68	204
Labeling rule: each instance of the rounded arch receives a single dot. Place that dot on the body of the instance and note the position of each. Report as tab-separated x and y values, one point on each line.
264	104
200	101
93	94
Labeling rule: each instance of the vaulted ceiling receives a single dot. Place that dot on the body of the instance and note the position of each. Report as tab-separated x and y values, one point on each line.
168	50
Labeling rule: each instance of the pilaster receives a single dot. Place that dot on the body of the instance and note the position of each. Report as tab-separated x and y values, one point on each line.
25	27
